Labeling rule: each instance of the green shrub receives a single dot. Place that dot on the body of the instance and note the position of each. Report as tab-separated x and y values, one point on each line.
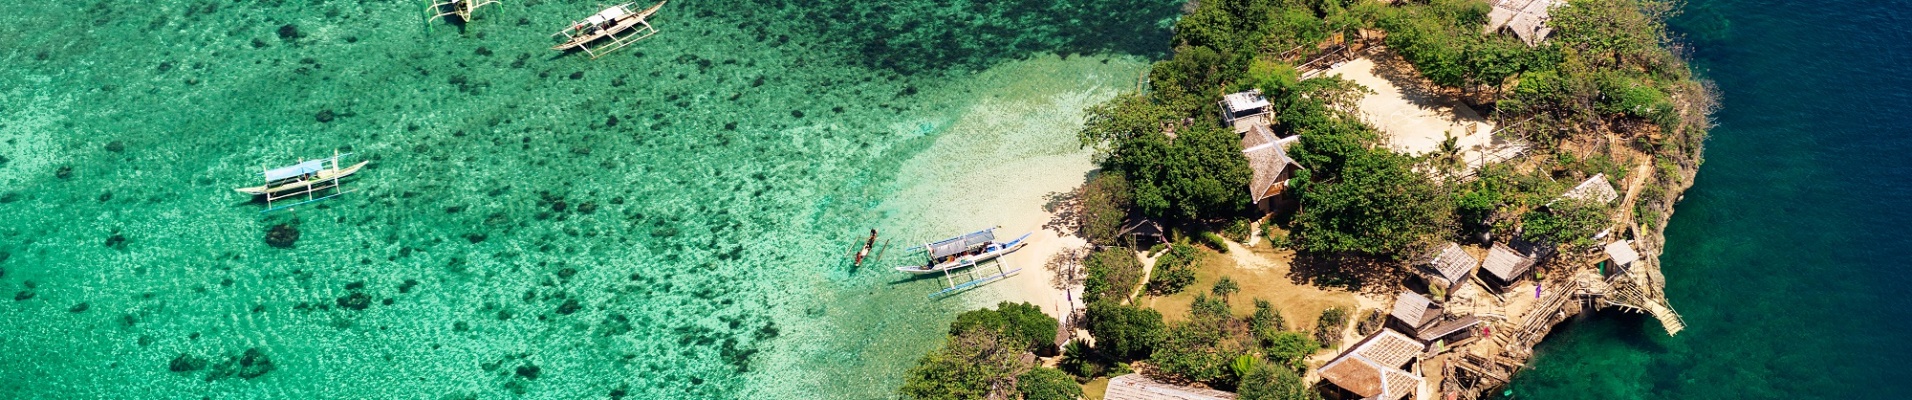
1288	348
1124	332
1080	360
1328	327
1113	273
1212	241
1022	322
1370	322
1266	319
1272	383
1224	287
1047	384
1237	231
1174	271
1204	348
1567	222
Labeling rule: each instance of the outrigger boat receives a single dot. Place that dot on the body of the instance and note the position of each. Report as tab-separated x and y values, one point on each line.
460	8
305	178
964	251
617	23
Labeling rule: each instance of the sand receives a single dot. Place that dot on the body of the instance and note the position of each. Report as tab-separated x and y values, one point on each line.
1414	119
999	162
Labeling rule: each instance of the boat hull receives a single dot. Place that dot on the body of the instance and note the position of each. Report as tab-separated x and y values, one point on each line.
326	175
1008	247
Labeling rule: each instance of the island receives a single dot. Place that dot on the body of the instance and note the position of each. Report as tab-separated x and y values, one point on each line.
1354	199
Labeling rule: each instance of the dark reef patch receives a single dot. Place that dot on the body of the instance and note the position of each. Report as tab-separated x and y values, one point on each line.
251	364
282	236
186	363
355	301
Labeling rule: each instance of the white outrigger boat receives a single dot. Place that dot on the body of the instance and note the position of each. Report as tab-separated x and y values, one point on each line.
964	251
612	23
305	178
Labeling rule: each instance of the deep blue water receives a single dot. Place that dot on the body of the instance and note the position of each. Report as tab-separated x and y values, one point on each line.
1788	257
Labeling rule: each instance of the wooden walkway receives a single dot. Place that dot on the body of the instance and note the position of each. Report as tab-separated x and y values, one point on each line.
1622	292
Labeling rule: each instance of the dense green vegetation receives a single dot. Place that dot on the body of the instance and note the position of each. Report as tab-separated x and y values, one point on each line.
1123	331
971	365
1022	322
1174	270
1112	273
1604	95
1047	384
1106	200
982	357
1607	71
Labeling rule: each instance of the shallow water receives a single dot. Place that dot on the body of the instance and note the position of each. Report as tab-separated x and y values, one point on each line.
665	222
1787	257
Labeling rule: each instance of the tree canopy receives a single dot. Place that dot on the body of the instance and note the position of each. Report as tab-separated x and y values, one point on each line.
1123	331
1022	322
971	365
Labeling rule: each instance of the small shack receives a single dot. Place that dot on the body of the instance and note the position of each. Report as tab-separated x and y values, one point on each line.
1245	109
1382	366
1269	163
1621	253
1526	19
1451	266
1412	311
1142	231
1138	387
1505	266
1450	332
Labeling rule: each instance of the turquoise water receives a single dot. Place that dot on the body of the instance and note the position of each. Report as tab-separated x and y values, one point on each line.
668	221
1787	258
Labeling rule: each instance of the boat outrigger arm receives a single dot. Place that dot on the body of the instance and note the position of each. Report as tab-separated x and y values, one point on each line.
305	178
460	8
618	23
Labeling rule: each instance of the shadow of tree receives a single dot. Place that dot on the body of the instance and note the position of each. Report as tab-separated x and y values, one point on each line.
1414	88
1358	273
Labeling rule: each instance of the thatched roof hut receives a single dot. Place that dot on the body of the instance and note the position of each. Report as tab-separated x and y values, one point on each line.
1378	367
1142	230
1453	264
1138	387
1526	19
1268	160
1504	265
1414	311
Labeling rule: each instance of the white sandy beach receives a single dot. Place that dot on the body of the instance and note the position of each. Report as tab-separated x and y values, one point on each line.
997	163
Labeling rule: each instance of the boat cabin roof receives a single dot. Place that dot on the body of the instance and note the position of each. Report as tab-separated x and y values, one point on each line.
608	14
961	244
303	168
